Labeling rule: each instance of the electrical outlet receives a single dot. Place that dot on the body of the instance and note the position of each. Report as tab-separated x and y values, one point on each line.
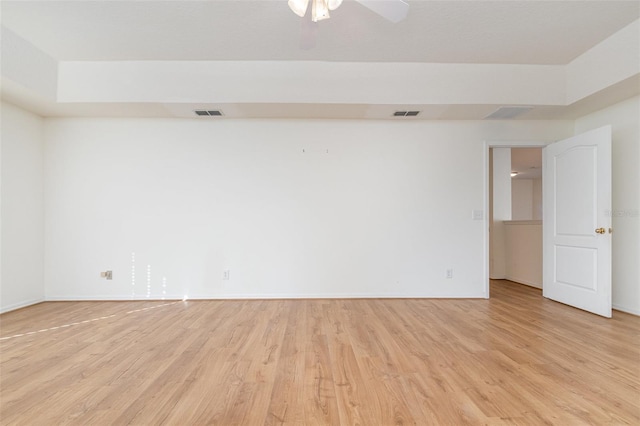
226	274
449	273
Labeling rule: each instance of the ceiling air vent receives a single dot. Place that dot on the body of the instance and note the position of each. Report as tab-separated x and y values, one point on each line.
406	113
209	113
506	113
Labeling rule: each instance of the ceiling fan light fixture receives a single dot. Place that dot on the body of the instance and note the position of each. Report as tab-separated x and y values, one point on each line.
393	10
333	4
319	10
299	7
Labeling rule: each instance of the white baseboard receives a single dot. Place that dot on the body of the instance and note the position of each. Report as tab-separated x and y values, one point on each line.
110	298
344	296
241	296
99	298
525	282
20	305
626	309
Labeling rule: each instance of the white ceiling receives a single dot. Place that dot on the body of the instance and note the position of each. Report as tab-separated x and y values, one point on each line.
505	32
532	32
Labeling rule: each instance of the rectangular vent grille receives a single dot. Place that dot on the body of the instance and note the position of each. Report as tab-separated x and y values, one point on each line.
209	113
406	113
506	113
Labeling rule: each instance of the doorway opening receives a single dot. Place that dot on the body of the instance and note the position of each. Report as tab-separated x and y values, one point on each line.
577	229
513	200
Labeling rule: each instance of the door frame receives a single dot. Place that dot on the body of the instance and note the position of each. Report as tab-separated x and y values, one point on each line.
497	144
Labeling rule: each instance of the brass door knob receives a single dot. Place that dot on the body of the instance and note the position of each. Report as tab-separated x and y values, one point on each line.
600	231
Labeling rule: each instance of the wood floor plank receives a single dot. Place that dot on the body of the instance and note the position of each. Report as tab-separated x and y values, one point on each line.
515	359
287	402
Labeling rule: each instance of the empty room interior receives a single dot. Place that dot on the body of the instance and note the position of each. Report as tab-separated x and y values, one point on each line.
320	212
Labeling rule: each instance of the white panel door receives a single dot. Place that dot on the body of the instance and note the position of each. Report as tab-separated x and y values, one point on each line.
577	220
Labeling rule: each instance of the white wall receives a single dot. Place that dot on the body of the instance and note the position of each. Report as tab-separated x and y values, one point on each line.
523	249
22	214
537	199
625	120
526	199
384	213
501	202
521	199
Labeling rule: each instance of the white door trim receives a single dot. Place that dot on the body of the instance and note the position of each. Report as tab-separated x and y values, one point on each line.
497	144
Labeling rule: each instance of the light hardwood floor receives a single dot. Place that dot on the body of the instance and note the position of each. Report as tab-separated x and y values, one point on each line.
514	359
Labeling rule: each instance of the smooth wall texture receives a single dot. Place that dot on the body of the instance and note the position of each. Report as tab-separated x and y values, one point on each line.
307	208
625	120
501	198
521	199
22	214
523	248
537	199
526	199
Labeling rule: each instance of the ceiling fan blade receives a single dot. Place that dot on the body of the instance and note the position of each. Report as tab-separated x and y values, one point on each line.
392	10
308	34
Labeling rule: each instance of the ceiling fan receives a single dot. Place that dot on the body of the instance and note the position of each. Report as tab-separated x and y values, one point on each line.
393	10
